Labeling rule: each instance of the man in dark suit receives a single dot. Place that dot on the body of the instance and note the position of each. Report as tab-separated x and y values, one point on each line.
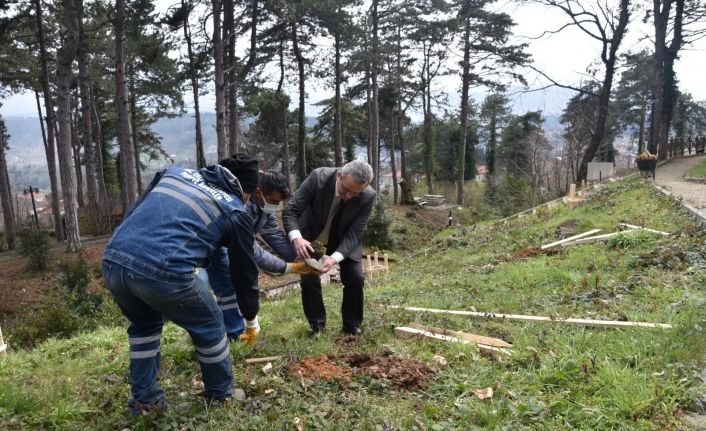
332	206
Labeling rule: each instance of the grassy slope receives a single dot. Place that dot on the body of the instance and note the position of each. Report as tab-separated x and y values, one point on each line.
698	171
559	377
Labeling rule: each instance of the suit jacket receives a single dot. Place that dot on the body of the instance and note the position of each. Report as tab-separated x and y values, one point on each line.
309	208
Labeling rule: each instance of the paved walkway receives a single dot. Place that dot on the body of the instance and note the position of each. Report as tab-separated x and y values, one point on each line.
671	177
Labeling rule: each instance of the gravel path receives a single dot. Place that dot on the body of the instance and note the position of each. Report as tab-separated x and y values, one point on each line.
671	177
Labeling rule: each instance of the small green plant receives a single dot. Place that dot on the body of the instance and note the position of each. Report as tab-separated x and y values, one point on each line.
64	309
76	281
36	246
628	240
378	232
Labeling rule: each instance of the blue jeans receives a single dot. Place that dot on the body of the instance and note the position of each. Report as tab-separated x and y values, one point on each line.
217	275
190	304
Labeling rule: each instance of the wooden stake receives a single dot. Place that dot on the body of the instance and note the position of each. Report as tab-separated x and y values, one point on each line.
251	361
604	237
387	264
524	318
3	346
473	338
632	226
571	238
406	332
572	191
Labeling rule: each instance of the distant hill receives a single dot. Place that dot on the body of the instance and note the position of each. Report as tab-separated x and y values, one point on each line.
27	159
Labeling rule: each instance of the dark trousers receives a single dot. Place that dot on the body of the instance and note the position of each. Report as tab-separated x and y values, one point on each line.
352	279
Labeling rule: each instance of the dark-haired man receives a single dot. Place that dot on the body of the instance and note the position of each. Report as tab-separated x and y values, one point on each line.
264	202
185	218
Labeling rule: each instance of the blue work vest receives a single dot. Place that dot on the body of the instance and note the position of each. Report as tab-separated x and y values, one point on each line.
181	220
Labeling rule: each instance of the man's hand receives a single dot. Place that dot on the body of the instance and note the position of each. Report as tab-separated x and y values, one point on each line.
328	264
301	268
303	247
252	328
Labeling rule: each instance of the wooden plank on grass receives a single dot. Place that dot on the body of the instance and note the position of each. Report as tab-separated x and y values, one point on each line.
473	338
525	318
632	226
571	238
407	332
598	238
251	361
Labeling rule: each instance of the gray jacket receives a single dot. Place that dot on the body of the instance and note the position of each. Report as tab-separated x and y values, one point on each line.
309	208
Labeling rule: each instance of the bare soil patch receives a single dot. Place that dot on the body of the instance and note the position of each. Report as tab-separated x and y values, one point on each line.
319	367
21	288
406	374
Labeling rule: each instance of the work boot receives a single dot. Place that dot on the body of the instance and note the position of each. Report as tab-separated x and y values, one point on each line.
158	407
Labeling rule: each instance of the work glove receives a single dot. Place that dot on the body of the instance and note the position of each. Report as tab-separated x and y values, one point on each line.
252	328
300	268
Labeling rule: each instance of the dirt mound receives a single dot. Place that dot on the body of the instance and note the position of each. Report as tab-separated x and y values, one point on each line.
529	253
319	367
406	374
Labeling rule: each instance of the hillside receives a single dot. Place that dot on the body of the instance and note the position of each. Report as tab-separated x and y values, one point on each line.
558	376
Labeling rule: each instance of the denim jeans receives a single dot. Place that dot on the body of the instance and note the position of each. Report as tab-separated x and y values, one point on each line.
190	304
218	277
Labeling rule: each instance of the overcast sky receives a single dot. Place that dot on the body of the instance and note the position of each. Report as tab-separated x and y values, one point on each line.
564	57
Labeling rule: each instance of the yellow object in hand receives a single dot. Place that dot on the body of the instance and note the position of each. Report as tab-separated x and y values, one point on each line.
301	268
249	337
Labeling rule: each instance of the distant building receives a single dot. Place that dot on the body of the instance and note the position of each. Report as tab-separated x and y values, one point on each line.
481	172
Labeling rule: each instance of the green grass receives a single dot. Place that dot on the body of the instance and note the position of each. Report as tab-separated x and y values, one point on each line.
698	171
559	377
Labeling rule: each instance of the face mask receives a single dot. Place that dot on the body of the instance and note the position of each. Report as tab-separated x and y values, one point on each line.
270	208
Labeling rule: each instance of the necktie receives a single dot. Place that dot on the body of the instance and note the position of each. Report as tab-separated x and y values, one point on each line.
334	234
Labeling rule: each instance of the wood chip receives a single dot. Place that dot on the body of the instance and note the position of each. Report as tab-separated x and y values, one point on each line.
484	393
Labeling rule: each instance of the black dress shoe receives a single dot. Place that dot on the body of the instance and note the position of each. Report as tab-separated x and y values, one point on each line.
316	331
355	331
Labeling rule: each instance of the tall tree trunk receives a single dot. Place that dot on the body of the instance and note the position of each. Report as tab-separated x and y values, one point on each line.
604	101
200	155
660	11
426	109
369	111
393	165
76	152
375	114
492	144
49	107
64	59
8	212
229	70
135	139
103	198
239	78
641	137
86	127
466	83
301	133
128	173
222	139
41	118
337	127
285	117
405	197
669	86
